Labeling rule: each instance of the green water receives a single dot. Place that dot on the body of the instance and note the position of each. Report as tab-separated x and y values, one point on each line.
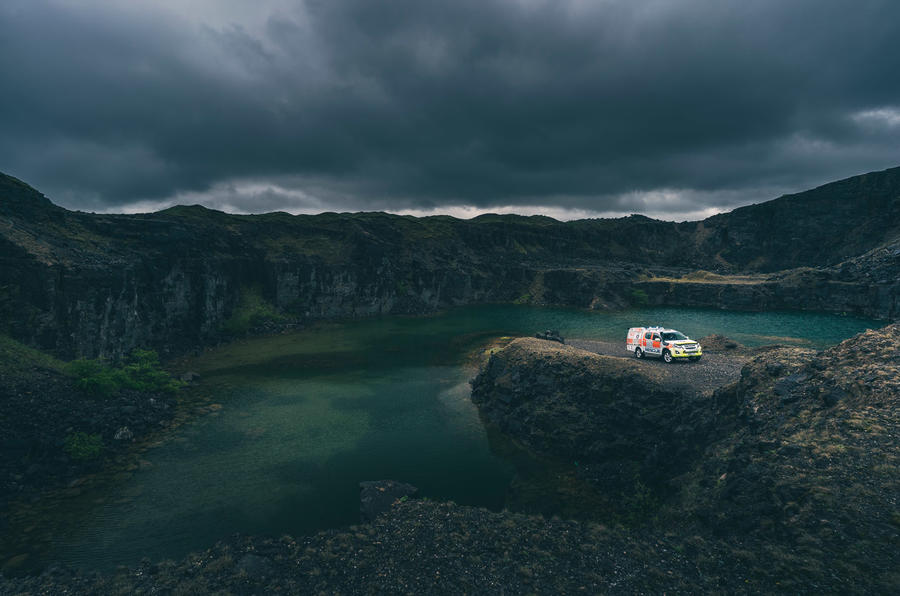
306	416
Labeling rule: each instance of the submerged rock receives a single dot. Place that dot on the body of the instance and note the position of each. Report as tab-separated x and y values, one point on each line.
377	496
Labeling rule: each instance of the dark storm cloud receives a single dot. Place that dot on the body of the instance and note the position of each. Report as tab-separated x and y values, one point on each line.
661	107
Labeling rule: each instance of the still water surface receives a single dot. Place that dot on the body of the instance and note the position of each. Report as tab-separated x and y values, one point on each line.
306	416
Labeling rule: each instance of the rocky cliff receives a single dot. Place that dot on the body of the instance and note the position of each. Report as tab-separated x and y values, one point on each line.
86	284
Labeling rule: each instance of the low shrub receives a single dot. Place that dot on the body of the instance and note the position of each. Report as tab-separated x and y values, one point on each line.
251	311
82	446
142	372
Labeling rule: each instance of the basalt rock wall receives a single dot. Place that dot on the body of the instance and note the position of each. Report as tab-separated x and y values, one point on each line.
99	285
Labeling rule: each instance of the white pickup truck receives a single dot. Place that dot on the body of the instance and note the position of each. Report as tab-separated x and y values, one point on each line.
667	344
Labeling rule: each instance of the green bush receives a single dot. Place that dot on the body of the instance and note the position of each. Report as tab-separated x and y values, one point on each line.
140	371
96	378
251	311
82	446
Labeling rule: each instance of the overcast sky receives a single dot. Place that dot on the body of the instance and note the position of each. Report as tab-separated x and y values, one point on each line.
571	108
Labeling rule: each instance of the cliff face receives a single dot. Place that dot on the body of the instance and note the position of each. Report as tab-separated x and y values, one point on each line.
84	284
816	228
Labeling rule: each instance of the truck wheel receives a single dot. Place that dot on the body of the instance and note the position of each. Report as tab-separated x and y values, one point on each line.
667	356
638	353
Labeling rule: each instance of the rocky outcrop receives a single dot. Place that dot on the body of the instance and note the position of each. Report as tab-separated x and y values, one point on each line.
618	419
812	469
793	470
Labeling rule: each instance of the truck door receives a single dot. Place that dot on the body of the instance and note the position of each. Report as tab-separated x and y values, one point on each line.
657	344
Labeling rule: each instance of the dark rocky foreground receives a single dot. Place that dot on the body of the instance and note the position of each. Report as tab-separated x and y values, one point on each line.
416	548
786	481
80	284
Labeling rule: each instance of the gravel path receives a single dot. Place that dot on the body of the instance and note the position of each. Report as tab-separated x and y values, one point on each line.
713	371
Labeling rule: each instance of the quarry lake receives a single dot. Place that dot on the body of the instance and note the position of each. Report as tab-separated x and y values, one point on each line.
304	417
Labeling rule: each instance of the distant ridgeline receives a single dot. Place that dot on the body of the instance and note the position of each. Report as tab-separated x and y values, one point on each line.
82	284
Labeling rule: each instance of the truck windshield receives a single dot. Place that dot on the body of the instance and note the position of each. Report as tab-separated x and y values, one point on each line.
673	336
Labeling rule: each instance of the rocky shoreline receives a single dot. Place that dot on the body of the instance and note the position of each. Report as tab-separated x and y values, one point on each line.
58	440
38	415
788	481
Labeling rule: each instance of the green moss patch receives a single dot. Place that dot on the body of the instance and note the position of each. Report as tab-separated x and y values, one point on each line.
17	358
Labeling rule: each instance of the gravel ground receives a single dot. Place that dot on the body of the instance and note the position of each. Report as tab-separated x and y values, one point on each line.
711	372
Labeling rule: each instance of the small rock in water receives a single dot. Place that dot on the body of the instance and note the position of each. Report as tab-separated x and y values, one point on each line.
124	434
190	377
377	496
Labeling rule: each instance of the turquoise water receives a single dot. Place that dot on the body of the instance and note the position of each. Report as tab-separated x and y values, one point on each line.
306	416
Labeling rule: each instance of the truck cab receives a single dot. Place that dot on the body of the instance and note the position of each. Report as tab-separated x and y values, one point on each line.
659	342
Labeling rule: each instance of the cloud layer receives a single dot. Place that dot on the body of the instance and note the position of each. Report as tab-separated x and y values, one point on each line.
568	107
